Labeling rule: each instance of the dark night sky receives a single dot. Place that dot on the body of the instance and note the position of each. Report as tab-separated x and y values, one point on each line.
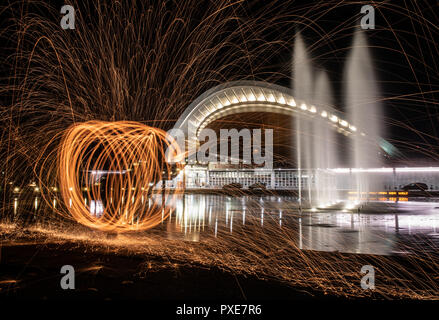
403	46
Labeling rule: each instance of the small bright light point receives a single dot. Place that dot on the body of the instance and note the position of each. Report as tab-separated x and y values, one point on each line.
324	114
353	128
292	103
344	123
282	100
313	109
334	118
303	106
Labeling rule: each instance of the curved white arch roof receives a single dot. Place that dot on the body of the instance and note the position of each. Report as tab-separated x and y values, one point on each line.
252	96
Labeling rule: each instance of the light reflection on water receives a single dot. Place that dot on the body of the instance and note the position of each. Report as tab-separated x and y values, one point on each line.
197	217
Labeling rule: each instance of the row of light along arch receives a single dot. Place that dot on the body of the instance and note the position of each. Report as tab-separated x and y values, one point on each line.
221	103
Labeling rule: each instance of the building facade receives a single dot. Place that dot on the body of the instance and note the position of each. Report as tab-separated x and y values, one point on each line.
199	177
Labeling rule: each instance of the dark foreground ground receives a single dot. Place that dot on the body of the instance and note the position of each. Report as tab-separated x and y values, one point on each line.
32	271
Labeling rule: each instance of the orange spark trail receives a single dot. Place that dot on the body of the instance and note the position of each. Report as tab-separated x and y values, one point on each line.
133	157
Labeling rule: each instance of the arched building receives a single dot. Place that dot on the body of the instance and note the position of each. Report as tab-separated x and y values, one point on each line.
255	96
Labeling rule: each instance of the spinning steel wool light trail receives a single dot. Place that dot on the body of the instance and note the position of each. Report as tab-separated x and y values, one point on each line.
143	61
133	158
68	96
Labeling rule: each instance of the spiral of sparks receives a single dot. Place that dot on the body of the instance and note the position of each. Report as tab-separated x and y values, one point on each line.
133	158
112	68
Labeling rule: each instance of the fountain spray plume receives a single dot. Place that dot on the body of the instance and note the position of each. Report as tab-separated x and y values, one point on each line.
363	107
315	143
302	92
325	145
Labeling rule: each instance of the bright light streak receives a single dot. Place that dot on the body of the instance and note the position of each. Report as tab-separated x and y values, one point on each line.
292	103
385	170
344	123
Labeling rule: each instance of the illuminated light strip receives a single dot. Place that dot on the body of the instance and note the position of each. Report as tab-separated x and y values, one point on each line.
271	98
418	169
243	96
237	95
203	124
359	170
254	93
251	95
281	100
292	102
93	172
227	100
261	97
392	199
385	170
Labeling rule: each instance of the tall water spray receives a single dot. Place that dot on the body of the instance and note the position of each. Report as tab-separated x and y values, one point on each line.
325	147
364	110
302	92
316	142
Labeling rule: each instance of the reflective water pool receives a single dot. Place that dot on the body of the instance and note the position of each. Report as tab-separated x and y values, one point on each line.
414	226
387	228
